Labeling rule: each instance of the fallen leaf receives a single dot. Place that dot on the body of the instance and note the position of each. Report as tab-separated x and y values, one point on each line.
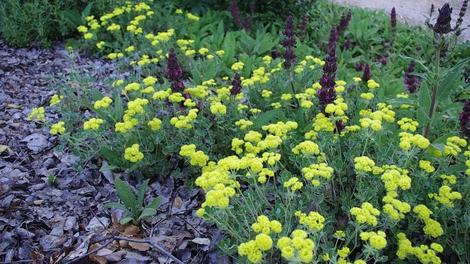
139	246
131	231
202	241
4	148
178	202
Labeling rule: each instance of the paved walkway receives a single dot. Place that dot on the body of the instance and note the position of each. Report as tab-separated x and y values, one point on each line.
413	12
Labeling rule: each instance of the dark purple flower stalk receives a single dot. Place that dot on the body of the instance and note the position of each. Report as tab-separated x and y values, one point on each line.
236	85
411	81
442	25
303	26
393	19
327	93
237	17
344	22
347	44
289	43
462	12
366	73
174	72
465	119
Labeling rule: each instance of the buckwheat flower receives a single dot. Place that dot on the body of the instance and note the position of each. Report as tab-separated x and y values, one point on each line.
313	220
237	66
442	25
133	153
37	113
376	239
363	164
426	166
366	214
57	128
293	184
306	148
55	99
218	108
264	242
103	103
93	124
192	17
100	45
155	124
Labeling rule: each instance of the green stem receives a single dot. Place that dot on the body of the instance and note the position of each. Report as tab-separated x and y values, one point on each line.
435	88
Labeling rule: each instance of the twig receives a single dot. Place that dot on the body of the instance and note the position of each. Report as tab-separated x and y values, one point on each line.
147	241
152	243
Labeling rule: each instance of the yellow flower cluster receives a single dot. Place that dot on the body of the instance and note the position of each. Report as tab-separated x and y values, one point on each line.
366	214
195	157
55	99
217	108
467	163
37	113
254	249
184	121
431	226
376	239
57	128
306	148
243	124
424	253
408	124
426	166
237	66
316	171
337	108
155	124
103	103
395	208
266	226
314	221
293	184
297	247
408	140
371	84
453	145
323	123
363	164
133	153
446	196
280	129
219	196
374	119
92	124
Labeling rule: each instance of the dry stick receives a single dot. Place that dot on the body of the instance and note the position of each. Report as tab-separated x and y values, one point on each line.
152	243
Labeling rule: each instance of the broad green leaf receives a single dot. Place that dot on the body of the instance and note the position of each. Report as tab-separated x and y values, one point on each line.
147	212
141	195
126	195
156	202
126	220
116	206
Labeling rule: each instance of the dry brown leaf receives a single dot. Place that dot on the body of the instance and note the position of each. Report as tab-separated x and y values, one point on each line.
131	231
95	257
178	202
139	246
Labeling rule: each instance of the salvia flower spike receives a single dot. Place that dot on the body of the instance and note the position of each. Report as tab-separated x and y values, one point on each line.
442	25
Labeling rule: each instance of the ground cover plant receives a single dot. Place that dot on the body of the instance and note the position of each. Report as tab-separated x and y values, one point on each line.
301	157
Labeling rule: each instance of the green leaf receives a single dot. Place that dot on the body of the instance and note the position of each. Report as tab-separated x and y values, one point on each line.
116	206
126	195
141	195
156	202
126	220
147	212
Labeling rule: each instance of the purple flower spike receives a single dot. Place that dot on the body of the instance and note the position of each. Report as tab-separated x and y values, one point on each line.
174	72
344	22
366	73
465	119
393	19
289	43
411	81
442	25
236	85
